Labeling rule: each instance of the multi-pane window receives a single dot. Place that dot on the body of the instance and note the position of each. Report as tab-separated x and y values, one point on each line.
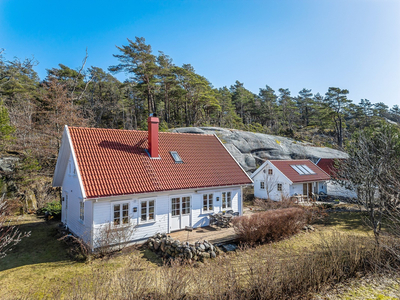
180	206
269	171
121	214
226	200
176	206
185	205
147	210
262	185
208	204
82	211
279	187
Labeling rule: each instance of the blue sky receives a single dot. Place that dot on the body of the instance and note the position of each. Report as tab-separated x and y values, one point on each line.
295	44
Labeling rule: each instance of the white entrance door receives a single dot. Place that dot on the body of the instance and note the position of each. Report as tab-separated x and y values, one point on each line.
180	213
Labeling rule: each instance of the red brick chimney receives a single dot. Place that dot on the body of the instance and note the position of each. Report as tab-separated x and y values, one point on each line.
152	122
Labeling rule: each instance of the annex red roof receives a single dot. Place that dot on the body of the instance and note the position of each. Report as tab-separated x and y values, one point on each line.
285	167
115	162
328	165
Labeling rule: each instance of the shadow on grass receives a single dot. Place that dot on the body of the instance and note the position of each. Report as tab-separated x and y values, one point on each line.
41	247
151	257
353	221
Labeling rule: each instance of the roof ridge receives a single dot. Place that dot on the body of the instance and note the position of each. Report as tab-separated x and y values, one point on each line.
130	130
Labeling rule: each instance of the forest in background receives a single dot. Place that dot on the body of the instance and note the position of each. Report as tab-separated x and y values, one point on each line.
33	111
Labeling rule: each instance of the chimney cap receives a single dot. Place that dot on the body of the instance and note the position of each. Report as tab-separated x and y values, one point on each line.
153	115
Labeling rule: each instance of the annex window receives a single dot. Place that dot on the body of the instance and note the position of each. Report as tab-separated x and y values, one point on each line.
262	185
176	157
226	200
279	187
269	171
121	214
82	210
208	204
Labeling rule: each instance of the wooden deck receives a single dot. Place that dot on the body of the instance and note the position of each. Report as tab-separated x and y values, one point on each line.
212	234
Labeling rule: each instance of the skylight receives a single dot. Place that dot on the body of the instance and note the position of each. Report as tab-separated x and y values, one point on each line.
302	169
176	157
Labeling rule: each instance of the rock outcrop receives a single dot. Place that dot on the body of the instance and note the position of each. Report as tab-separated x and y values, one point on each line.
252	149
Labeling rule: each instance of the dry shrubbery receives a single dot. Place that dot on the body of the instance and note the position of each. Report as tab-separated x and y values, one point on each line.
266	272
270	225
266	204
312	213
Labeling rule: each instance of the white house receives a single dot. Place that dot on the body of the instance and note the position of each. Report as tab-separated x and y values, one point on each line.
150	181
276	179
334	188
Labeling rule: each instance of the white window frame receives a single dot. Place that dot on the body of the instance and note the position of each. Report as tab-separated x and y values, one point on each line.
148	206
270	172
225	200
180	206
207	210
262	185
279	187
121	210
81	211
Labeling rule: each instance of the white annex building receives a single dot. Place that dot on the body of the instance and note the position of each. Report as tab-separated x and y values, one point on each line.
276	179
146	180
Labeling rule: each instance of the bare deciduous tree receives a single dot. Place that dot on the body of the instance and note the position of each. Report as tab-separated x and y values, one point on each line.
372	169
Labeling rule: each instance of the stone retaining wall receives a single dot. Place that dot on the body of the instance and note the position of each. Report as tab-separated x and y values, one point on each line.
171	248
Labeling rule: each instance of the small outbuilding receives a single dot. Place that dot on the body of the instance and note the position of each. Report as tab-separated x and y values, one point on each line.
299	179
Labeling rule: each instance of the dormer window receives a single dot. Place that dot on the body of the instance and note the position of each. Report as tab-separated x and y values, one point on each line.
176	157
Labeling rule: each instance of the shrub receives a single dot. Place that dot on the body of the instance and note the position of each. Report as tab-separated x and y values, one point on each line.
51	210
270	225
266	204
314	213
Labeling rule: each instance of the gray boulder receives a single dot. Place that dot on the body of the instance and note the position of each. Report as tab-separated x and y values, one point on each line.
7	164
252	149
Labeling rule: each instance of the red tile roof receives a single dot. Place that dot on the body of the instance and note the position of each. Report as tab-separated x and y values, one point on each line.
328	165
115	162
285	167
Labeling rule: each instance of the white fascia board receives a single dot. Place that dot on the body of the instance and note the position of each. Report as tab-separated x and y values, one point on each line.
259	169
233	157
75	163
272	164
62	161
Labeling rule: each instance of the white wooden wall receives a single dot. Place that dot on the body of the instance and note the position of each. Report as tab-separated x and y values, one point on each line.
271	181
72	188
103	209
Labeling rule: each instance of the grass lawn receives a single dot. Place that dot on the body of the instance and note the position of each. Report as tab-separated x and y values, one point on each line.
41	262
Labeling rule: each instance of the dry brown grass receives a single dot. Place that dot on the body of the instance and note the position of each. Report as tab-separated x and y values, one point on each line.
260	273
